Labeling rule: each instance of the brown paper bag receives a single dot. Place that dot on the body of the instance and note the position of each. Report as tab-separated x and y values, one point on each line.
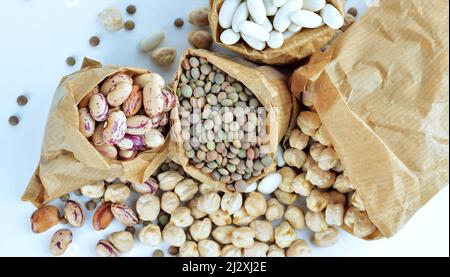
68	161
383	95
267	84
297	47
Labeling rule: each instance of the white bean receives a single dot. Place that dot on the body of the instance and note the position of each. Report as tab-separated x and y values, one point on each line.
281	20
279	155
227	11
271	9
253	43
152	40
306	19
240	15
276	40
267	25
288	34
270	183
313	5
257	10
294	27
332	17
279	3
229	37
254	30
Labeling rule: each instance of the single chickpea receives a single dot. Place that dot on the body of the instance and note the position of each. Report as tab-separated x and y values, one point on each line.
275	210
316	221
150	235
326	238
317	201
117	193
357	201
327	159
287	179
263	230
220	218
308	98
308	122
243	237
275	251
94	191
181	217
169	201
195	212
186	189
294	157
242	218
334	214
231	202
255	204
339	168
363	226
285	235
350	216
301	185
200	229
208	248
169	179
258	249
223	234
148	207
308	163
230	250
299	248
322	136
342	184
337	198
320	178
173	235
298	140
315	150
189	249
294	215
284	197
209	202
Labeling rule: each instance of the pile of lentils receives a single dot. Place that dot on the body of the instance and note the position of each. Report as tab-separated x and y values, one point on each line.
223	125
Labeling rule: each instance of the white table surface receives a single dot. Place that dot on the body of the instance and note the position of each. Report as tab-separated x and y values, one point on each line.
37	37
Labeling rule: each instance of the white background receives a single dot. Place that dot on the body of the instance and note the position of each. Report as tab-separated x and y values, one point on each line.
37	36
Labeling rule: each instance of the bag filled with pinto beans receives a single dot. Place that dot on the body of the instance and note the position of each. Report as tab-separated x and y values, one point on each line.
97	129
381	91
295	48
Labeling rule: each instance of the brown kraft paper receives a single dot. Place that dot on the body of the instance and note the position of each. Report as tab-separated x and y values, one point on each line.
266	83
295	48
68	160
382	92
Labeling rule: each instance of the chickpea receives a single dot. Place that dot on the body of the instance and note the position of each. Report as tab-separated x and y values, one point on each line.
242	218
200	229
94	191
148	207
231	202
195	212
298	140
363	226
117	193
327	159
263	230
317	201
186	189
150	235
326	238
339	167
169	201
209	202
308	122
315	150
323	137
284	234
207	188
301	185
189	249
275	251
350	216
334	214
336	198
230	250
294	157
357	201
294	215
258	249
208	248
308	98
181	217
169	179
275	210
243	237
287	179
284	197
173	235
316	221
223	234
320	178
299	248
309	162
342	184
220	217
255	204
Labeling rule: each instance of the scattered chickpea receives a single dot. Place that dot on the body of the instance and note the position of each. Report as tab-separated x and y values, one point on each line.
284	234
169	179
231	202
316	221
315	150
285	198
275	251
208	248
308	122
243	237
209	202
148	207
181	217
320	178
342	184
117	193
294	157
326	238
263	230
173	235
299	248
150	235
287	178
357	201
220	218
169	202
242	218
294	215
186	189
334	214
195	212
275	210
207	188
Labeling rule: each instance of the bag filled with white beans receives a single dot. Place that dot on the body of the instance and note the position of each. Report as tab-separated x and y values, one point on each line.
272	31
100	126
381	92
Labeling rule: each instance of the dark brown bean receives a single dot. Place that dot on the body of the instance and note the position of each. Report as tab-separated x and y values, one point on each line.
131	9
94	41
13	120
22	100
353	11
179	22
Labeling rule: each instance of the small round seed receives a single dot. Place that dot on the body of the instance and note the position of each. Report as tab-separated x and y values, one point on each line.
131	230
65	197
91	205
13	120
70	61
163	219
353	11
158	253
194	62
266	161
22	100
63	220
173	250
94	41
129	25
179	22
131	9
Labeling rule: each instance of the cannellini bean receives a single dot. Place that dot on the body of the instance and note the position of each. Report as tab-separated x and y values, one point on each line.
239	16
258	249
271	9
227	12
294	215
285	235
229	37
253	43
276	40
263	230
267	25
299	248
287	34
279	156
281	20
316	221
294	27
270	183
152	40
306	19
332	17
313	5
257	10
253	30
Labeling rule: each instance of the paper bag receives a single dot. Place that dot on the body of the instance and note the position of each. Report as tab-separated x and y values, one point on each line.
382	92
68	160
295	48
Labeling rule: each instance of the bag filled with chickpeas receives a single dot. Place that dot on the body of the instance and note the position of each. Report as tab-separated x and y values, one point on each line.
105	122
230	117
376	106
275	32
